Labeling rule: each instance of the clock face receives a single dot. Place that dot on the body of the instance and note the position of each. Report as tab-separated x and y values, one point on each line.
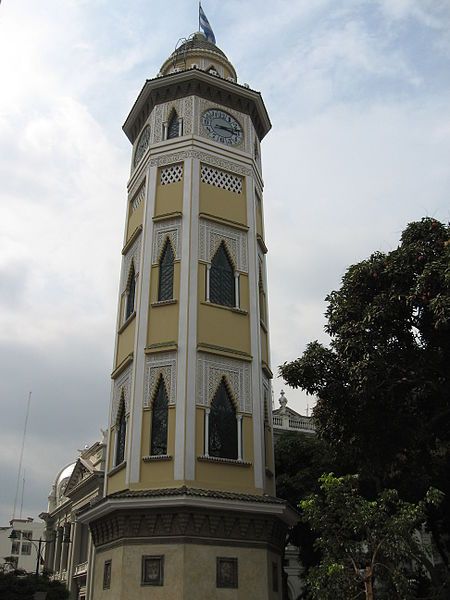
222	127
142	146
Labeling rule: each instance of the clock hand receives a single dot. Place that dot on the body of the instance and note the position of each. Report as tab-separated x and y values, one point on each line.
225	128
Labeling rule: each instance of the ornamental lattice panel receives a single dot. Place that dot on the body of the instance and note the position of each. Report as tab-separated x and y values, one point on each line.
171	174
221	179
156	365
122	386
211	371
137	199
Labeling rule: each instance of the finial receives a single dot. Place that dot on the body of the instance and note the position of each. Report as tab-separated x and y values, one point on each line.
283	401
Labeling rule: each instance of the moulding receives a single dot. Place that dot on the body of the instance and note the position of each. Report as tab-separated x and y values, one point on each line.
224	461
123	365
126	323
223	351
117	468
161	347
171	215
133	237
156	457
222	221
261	244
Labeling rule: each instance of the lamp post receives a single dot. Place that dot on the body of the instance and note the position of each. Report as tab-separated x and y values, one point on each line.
40	541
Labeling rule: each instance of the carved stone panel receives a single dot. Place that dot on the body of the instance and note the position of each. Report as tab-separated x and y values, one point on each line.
156	365
122	386
211	236
210	371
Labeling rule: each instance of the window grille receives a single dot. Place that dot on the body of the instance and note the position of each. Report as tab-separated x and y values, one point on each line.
226	572
173	127
159	420
107	575
221	279
223	434
171	174
26	548
166	269
221	179
131	292
121	434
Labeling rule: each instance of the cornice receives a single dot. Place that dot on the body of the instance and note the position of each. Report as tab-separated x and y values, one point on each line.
198	83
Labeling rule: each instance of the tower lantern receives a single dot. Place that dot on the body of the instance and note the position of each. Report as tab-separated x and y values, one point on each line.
189	504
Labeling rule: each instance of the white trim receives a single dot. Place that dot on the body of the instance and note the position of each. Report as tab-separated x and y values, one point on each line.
190	398
239	434
134	427
255	348
206	436
277	509
208	275
183	327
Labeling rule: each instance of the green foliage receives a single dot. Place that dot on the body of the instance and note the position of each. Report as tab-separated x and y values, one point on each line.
364	540
383	384
17	586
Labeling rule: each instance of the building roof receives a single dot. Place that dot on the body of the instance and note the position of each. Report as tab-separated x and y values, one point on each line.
196	493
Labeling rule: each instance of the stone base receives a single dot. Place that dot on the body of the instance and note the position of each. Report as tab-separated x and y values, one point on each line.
188	545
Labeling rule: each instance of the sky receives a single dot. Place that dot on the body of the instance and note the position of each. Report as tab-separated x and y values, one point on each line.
359	96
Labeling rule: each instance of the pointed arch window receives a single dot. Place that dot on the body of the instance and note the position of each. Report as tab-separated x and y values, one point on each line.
223	426
222	279
160	416
131	293
121	433
166	269
173	126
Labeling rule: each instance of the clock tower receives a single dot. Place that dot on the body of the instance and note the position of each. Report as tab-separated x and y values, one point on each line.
189	506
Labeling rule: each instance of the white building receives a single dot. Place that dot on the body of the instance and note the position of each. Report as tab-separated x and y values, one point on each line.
19	542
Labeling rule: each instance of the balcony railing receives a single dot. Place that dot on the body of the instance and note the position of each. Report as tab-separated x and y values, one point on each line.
80	569
294	423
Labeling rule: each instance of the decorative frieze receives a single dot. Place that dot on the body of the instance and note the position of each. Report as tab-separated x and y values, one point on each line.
210	372
160	365
204	157
211	236
122	387
174	525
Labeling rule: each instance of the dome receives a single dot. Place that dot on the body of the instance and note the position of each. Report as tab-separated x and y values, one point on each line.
197	52
198	41
65	473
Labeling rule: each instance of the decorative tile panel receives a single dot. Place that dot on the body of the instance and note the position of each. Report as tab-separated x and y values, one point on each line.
211	370
137	198
211	236
171	174
133	254
122	385
161	231
157	365
204	157
221	179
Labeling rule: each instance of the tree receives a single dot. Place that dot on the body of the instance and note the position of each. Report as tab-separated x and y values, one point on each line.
365	544
383	384
23	586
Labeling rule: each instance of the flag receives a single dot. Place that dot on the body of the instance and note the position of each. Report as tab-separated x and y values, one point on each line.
204	24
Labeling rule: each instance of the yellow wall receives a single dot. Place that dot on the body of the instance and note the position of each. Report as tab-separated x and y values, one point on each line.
125	342
230	477
259	218
264	346
221	326
156	474
135	219
169	198
189	573
223	204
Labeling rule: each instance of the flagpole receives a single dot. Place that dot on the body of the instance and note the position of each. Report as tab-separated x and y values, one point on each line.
199	6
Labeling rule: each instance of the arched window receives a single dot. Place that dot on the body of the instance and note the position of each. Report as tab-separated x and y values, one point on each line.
160	413
223	431
173	126
121	433
165	288
221	279
131	292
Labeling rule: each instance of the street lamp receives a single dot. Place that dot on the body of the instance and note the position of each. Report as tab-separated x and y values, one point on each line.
40	541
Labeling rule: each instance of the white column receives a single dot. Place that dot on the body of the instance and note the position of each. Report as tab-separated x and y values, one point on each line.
206	450
208	275
236	289
239	433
